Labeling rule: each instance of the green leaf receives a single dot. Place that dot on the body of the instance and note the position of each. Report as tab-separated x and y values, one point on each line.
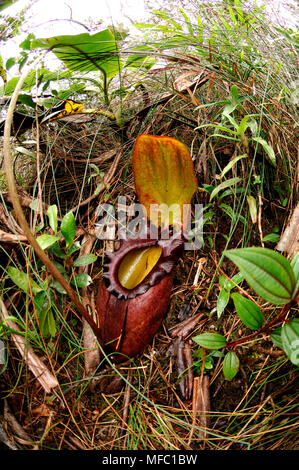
210	340
268	149
41	301
230	284
295	266
57	251
266	271
52	215
252	208
271	237
6	3
249	313
276	337
81	280
26	99
290	340
73	248
231	164
85	52
225	184
57	286
68	228
84	260
9	63
222	301
47	323
23	281
46	240
230	365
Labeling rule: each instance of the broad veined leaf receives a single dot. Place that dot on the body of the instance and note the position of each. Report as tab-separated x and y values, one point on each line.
164	178
266	271
249	313
23	281
210	340
137	265
230	365
85	52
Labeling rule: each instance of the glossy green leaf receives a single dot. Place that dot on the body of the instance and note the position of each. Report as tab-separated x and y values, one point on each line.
210	340
73	248
290	340
230	365
164	177
46	240
68	228
23	281
222	301
249	313
266	271
81	280
229	284
84	260
52	215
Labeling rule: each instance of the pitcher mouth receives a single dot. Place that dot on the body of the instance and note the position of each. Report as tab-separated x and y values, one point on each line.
164	253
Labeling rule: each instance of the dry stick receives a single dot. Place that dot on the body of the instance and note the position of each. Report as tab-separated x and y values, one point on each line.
200	405
127	397
19	211
91	349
